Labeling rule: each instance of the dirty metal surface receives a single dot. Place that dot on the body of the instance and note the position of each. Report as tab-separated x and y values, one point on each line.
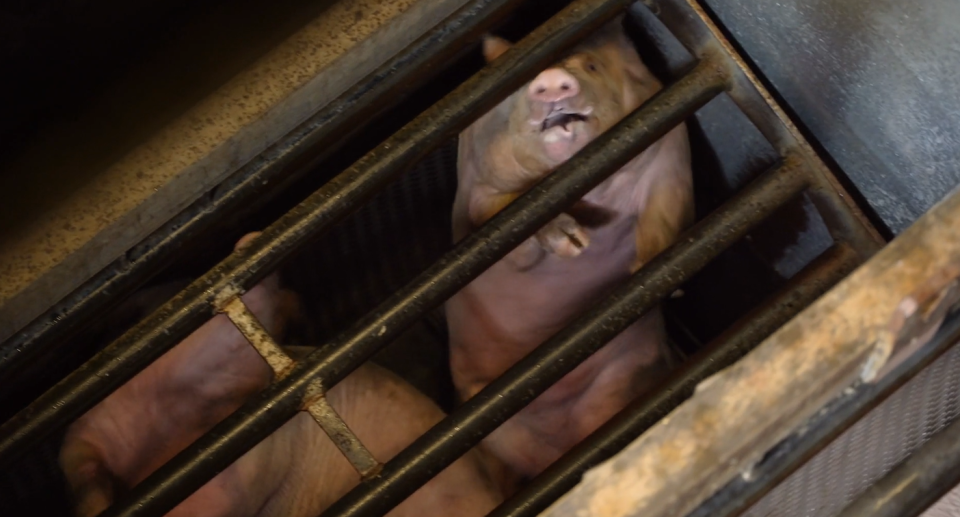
873	81
47	253
739	414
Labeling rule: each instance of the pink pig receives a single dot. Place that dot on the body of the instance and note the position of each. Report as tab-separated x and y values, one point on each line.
568	265
297	471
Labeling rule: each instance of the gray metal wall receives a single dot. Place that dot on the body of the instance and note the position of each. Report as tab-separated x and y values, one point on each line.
876	83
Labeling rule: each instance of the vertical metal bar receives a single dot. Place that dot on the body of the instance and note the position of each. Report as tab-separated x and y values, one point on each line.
322	412
176	319
632	421
239	432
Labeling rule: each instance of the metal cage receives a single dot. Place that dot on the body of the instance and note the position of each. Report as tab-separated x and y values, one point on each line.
715	69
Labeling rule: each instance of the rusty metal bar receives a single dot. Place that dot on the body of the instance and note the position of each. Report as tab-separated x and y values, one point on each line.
174	321
322	412
253	422
258	337
345	439
814	280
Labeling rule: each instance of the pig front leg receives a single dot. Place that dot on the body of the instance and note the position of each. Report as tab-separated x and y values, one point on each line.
91	485
563	236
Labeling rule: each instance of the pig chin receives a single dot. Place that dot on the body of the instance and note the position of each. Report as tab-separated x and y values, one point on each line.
562	142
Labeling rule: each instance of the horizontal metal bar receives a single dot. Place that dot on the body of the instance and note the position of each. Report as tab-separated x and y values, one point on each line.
254	421
911	487
174	321
560	354
823	428
814	280
313	140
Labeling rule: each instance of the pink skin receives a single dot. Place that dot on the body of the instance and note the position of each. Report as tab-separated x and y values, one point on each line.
297	471
566	267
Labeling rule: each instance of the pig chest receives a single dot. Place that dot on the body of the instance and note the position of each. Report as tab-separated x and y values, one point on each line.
506	312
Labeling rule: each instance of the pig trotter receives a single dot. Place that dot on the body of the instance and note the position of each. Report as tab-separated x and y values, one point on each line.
563	237
92	485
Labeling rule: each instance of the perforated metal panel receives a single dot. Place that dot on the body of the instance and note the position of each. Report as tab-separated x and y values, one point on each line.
948	506
872	447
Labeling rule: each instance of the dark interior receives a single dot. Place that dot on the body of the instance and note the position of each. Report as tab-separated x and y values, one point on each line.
346	273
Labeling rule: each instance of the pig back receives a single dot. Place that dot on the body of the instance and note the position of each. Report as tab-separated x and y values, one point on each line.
387	415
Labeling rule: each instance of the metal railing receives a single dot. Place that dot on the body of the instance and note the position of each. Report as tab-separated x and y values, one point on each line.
301	385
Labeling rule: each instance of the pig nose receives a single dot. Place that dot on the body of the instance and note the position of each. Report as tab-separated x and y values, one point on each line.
553	85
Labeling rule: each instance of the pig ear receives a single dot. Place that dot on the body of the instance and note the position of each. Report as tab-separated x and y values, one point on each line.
494	46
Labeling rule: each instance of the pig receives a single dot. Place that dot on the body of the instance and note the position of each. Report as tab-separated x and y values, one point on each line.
297	471
569	264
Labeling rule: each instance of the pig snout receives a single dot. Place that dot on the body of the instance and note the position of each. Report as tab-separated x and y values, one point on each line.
553	85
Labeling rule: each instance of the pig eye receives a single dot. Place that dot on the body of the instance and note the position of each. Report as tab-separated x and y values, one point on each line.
592	67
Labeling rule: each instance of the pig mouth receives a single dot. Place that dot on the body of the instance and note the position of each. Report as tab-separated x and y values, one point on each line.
561	120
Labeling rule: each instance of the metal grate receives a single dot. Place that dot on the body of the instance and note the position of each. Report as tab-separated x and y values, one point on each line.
302	385
872	447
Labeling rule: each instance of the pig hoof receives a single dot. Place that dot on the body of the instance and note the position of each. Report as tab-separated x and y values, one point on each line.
246	240
563	237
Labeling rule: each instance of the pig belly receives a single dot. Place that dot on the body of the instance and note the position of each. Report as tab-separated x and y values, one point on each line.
583	400
505	313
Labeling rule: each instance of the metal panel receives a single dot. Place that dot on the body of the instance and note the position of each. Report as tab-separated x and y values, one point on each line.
875	83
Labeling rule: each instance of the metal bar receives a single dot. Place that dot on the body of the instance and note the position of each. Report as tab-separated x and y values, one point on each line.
823	428
911	487
560	354
814	280
258	337
239	432
356	453
340	434
699	33
174	321
313	140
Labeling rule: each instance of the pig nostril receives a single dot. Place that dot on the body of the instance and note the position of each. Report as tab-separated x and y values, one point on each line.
565	87
541	89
